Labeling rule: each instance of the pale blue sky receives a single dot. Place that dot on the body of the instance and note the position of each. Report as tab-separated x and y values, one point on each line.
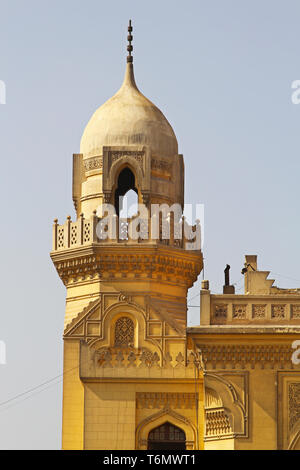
221	71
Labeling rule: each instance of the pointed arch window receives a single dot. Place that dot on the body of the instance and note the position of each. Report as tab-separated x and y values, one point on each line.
126	182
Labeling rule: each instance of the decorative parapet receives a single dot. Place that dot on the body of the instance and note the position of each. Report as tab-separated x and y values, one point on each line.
74	234
87	231
245	309
127	363
261	304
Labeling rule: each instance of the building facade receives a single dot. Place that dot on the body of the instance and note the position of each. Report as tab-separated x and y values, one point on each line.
135	377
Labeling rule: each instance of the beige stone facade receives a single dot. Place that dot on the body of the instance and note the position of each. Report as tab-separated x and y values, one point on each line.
135	377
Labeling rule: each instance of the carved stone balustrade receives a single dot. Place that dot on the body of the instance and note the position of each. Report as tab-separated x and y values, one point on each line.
251	309
96	230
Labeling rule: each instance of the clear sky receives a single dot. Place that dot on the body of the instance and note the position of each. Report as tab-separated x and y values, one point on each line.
221	71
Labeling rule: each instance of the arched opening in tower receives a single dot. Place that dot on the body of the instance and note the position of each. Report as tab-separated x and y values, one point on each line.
126	194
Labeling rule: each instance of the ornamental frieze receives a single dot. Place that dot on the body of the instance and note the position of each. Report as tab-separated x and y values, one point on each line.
243	356
162	400
112	266
93	163
138	358
138	155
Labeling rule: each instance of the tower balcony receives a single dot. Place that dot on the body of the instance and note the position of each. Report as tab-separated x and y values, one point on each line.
117	250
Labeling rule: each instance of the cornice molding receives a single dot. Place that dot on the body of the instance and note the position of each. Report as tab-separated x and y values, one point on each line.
160	263
239	356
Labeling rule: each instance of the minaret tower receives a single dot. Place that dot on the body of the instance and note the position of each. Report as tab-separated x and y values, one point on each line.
126	304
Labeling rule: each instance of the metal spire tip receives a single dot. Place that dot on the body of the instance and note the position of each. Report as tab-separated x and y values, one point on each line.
129	47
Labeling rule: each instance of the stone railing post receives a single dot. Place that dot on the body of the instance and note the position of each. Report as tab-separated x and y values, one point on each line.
183	230
80	228
171	215
115	220
94	221
54	235
67	232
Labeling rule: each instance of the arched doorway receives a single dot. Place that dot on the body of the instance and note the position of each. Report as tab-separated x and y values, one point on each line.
166	437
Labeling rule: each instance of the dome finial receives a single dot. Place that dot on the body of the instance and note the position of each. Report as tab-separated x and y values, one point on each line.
129	47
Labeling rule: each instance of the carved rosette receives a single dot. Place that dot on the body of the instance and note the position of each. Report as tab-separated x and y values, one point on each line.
278	311
239	311
258	311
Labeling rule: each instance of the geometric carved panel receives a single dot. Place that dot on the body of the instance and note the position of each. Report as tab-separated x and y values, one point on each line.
295	311
239	311
220	311
278	311
258	311
124	332
288	411
294	404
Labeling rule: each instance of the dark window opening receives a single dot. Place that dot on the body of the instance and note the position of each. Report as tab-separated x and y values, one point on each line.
126	182
166	437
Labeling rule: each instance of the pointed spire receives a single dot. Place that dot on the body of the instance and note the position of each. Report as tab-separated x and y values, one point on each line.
129	80
129	47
